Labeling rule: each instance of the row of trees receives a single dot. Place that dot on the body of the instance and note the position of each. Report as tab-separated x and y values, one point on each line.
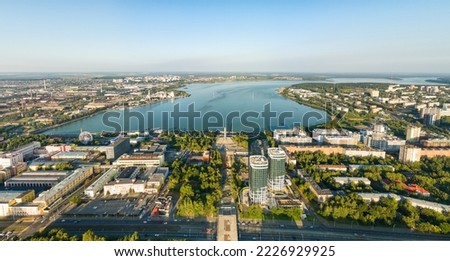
386	211
199	186
236	182
57	166
59	234
195	141
241	139
256	212
18	141
431	173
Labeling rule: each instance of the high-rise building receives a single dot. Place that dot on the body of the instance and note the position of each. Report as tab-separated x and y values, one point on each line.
412	133
277	170
409	154
258	175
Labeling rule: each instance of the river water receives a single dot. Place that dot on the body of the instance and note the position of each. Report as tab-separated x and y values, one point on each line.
240	106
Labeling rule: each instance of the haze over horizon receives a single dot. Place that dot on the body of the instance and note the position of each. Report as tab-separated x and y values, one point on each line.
225	36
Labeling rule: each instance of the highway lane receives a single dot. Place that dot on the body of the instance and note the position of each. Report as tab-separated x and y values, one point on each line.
195	230
331	233
116	227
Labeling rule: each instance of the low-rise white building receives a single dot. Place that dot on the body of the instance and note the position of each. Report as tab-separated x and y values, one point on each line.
141	159
123	187
291	136
348	180
414	202
97	186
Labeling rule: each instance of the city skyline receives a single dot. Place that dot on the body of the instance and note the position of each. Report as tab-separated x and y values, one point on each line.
219	36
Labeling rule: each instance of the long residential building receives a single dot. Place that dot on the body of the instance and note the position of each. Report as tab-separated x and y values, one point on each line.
413	154
415	202
291	136
350	152
141	159
97	186
66	186
349	180
322	194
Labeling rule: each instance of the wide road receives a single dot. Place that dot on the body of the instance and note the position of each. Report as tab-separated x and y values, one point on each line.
290	232
148	229
195	230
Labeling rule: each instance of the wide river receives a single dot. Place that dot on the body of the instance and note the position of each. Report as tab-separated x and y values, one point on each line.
240	106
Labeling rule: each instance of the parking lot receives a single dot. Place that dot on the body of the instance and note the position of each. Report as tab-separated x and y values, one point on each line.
110	207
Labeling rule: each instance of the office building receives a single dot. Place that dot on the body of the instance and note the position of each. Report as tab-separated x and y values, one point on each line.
258	174
277	169
118	146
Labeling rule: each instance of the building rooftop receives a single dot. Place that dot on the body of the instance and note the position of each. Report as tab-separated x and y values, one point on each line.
140	156
415	202
258	161
107	176
125	181
351	179
7	196
74	154
45	173
317	188
332	166
34	178
276	153
126	172
61	185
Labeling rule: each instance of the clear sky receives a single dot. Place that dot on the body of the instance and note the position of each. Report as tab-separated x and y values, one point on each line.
215	35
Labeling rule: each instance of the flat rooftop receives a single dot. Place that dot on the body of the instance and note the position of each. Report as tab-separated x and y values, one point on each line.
140	157
6	196
69	154
258	161
276	153
44	173
126	172
34	178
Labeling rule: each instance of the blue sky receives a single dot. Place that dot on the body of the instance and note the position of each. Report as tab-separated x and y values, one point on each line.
236	36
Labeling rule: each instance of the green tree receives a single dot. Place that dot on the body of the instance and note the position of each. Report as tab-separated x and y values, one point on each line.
91	236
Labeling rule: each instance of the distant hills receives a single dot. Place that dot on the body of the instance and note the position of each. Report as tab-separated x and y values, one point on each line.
440	80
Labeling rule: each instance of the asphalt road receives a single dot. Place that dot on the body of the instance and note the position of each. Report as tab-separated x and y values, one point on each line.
274	232
195	230
148	229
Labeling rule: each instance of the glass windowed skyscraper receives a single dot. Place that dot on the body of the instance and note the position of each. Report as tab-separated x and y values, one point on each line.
277	169
259	173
